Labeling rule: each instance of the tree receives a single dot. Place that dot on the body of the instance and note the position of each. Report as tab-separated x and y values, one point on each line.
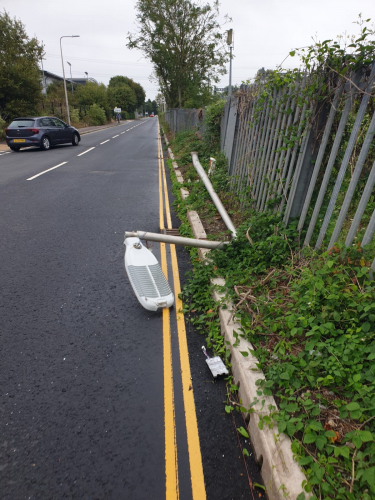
139	91
96	115
182	38
122	96
20	80
56	93
160	101
93	93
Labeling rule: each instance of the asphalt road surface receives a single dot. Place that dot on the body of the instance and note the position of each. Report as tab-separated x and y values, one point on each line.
82	365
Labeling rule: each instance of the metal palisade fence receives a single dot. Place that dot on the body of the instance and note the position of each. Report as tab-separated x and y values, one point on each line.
181	119
303	145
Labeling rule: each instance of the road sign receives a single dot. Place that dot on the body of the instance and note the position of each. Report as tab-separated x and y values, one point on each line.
117	110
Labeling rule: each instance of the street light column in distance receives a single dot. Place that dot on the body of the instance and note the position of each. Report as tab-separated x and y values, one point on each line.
71	78
230	44
62	63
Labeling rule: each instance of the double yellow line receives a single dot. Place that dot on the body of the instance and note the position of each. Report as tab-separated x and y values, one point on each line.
195	458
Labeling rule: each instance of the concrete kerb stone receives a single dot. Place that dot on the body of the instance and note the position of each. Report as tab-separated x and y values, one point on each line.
282	475
170	154
196	225
179	176
184	193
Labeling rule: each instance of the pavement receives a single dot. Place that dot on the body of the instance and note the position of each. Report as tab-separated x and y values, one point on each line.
82	363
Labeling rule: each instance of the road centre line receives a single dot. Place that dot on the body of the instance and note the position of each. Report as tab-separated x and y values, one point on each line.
87	150
195	457
105	141
101	129
45	171
115	136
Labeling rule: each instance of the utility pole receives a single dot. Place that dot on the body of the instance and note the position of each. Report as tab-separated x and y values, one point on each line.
230	44
44	91
71	78
62	63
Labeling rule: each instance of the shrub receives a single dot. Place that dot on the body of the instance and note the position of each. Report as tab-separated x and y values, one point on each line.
74	115
214	113
2	129
97	115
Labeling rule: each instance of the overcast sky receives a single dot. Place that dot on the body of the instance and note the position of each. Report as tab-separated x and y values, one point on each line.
265	32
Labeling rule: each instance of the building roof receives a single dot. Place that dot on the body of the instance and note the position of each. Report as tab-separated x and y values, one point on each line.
80	81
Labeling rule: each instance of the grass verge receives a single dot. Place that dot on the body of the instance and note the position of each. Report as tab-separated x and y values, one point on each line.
311	319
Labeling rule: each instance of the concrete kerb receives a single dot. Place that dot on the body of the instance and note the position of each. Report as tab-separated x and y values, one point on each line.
83	132
282	475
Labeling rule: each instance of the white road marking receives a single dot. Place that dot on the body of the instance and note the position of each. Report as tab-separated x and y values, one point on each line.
115	136
41	173
87	150
101	129
105	141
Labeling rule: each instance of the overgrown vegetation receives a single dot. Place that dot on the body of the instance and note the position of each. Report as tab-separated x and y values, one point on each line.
286	103
93	103
310	317
20	84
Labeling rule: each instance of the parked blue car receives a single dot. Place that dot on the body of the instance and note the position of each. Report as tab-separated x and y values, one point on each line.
43	131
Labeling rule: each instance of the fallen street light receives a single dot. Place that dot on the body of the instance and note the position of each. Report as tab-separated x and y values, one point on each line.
62	63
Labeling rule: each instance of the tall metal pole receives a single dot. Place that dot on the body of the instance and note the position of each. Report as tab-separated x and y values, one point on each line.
62	62
230	72
71	78
230	44
43	80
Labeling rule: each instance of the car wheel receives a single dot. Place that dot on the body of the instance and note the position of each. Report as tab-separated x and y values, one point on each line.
75	139
46	143
14	149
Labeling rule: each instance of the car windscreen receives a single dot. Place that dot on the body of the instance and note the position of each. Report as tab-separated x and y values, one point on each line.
21	123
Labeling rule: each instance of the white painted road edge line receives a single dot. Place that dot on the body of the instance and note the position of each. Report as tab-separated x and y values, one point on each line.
105	141
87	150
41	173
115	136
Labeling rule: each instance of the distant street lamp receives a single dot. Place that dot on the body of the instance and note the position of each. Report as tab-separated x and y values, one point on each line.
87	75
71	78
62	62
230	44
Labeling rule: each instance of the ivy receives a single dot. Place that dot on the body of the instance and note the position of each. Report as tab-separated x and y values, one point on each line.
310	317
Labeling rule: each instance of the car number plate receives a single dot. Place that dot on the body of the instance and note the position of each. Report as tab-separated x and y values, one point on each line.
19	140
